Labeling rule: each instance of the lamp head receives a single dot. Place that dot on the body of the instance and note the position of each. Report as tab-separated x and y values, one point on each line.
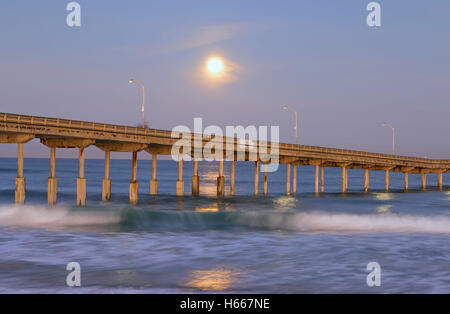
285	107
131	81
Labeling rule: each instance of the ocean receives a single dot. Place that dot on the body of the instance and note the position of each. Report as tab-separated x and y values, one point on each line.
305	243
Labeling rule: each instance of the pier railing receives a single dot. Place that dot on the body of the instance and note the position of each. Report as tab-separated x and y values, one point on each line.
56	126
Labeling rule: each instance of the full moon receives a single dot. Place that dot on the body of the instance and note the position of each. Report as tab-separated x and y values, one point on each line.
215	66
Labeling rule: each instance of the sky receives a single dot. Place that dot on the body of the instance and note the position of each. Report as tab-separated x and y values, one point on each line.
318	57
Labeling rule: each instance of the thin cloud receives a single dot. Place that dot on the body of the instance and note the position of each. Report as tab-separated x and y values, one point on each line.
208	35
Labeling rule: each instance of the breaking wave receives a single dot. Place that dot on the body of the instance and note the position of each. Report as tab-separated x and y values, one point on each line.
320	222
30	216
139	219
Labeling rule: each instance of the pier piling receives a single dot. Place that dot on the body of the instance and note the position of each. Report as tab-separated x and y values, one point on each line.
195	179
344	180
322	179
154	181
288	179
439	183
316	179
366	180
20	180
265	180
180	182
134	184
52	181
424	181
386	184
220	180
256	178
232	177
81	181
106	184
294	179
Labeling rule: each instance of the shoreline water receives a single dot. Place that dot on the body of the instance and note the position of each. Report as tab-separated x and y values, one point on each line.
241	244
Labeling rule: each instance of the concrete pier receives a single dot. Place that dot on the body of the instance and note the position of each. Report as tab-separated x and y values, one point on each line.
386	184
366	180
195	179
180	182
294	179
154	181
106	184
232	177
288	179
69	134
81	181
256	178
406	181
52	181
220	180
20	180
134	184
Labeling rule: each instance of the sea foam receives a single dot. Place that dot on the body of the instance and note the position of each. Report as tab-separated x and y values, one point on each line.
38	216
322	222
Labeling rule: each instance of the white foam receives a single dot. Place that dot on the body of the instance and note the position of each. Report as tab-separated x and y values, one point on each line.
34	216
350	223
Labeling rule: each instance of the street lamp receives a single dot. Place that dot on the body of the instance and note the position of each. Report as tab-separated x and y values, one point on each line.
296	122
393	136
131	81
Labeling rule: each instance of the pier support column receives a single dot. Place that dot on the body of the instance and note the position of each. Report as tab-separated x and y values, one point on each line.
232	178
322	179
288	179
220	180
106	184
154	181
256	178
81	181
180	182
424	181
439	180
316	179
195	179
294	179
266	190
52	181
406	181
20	180
386	185
366	180
134	184
344	179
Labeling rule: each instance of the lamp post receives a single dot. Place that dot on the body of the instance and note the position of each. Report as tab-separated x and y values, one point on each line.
296	122
131	81
393	136
294	168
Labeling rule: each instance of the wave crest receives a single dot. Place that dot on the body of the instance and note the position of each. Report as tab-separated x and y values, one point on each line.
139	219
321	222
30	216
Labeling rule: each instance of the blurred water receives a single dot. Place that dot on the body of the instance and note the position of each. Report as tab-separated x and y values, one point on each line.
275	244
